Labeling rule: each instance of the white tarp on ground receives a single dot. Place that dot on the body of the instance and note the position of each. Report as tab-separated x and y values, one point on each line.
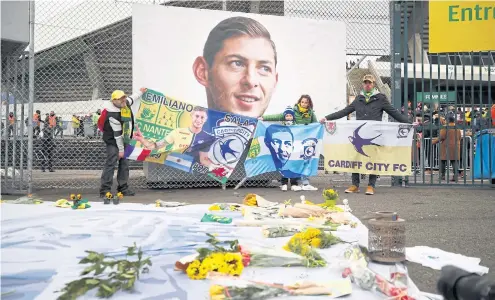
42	245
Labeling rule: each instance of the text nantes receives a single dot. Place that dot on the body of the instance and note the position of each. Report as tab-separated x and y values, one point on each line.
169	102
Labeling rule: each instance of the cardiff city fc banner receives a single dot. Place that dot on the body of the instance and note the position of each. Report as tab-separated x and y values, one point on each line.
188	137
293	151
368	147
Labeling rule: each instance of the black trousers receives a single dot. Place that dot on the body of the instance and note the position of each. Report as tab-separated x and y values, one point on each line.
293	181
109	168
356	179
47	151
444	164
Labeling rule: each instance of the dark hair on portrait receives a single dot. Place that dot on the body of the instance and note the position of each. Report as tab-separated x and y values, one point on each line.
234	27
309	100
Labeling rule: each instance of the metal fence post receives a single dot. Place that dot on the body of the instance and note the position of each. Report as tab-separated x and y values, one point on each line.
395	61
31	98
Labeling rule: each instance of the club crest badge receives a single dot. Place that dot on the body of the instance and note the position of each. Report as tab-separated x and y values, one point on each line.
331	127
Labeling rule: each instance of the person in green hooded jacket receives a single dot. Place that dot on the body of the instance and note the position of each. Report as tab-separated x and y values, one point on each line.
303	115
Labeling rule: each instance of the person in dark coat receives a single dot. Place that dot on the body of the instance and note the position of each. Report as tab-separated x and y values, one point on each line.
450	146
47	149
368	105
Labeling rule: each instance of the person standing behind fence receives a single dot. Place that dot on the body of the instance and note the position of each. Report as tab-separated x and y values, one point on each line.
75	125
368	105
37	123
59	127
11	124
47	148
303	115
94	118
117	124
450	146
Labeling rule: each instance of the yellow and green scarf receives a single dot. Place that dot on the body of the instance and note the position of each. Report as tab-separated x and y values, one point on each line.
126	117
304	111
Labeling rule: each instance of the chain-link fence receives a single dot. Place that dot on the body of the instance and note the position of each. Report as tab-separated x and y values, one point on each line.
83	51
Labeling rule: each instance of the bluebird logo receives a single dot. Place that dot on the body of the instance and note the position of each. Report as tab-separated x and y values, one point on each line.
309	148
358	142
225	149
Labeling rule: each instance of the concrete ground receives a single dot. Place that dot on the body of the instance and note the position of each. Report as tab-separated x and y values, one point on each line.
459	220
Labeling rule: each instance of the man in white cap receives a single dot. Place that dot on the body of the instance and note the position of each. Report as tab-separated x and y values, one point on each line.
117	122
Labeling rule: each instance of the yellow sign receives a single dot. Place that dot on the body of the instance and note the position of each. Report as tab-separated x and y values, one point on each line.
462	26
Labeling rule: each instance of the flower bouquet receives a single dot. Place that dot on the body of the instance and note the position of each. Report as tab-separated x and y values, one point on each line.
79	202
109	197
315	238
271	258
331	196
224	287
225	206
279	231
257	200
214	258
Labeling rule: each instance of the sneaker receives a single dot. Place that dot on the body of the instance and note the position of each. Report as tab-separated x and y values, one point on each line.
295	188
309	187
128	193
352	189
283	187
370	190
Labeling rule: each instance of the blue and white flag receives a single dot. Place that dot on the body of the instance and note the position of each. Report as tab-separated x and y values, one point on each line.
294	151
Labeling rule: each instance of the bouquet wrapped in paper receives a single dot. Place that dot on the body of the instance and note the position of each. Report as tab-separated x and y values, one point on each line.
257	200
359	273
227	288
280	230
269	258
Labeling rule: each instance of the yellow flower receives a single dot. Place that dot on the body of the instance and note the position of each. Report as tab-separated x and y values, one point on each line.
229	257
214	207
308	202
72	197
193	271
286	247
120	195
311	218
316	242
216	290
109	195
79	196
311	233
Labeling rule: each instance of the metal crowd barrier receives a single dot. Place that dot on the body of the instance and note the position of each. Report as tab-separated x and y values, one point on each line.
429	155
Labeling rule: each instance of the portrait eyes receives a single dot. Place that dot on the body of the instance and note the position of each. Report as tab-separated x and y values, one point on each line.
288	143
239	64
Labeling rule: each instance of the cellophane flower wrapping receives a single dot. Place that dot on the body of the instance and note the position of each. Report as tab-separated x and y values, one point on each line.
269	258
357	268
279	231
224	288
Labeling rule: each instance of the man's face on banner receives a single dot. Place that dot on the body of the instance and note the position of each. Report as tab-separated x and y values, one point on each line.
282	145
243	76
198	119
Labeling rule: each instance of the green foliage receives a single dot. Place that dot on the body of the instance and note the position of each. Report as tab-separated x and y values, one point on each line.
216	246
121	274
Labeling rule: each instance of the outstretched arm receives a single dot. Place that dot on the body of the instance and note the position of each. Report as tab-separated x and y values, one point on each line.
394	113
341	113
